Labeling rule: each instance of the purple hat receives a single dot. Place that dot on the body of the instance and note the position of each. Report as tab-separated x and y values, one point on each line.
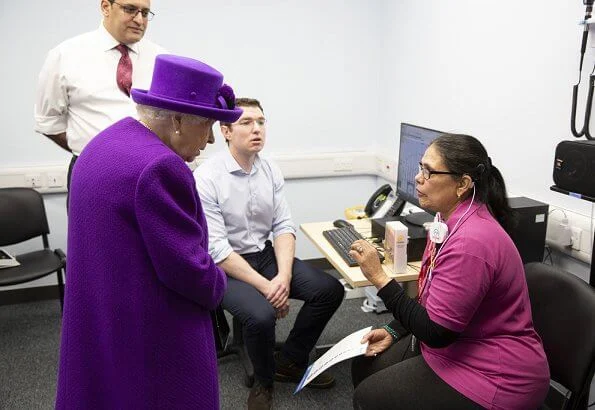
185	85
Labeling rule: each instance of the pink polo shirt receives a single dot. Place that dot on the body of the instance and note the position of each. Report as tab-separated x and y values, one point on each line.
478	289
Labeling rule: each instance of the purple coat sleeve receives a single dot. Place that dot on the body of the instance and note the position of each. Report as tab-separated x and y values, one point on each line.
174	230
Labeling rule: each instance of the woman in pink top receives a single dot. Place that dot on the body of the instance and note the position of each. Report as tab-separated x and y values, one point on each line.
472	321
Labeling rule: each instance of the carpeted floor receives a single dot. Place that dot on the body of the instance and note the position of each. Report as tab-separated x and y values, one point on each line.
30	338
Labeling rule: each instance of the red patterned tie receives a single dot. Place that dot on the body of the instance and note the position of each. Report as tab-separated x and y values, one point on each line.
124	72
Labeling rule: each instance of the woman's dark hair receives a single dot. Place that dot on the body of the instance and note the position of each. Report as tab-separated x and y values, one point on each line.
464	154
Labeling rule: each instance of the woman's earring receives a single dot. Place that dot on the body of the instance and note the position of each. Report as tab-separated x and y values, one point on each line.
178	132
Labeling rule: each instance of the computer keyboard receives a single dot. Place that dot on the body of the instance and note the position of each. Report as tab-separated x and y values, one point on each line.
341	239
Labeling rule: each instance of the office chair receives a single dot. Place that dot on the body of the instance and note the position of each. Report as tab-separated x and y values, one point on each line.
22	217
563	308
236	346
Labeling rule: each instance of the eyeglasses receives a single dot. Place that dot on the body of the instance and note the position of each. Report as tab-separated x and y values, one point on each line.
133	11
249	122
426	173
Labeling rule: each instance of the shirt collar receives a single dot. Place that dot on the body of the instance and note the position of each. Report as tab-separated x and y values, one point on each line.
108	42
232	165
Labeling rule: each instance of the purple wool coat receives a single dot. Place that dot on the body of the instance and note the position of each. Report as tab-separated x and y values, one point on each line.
136	329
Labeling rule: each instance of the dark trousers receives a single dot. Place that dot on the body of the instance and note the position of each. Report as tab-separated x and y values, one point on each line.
400	378
68	178
321	293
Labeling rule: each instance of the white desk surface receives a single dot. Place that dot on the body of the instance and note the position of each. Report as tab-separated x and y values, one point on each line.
353	275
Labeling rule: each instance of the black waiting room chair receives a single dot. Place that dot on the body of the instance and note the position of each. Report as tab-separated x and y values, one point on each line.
235	346
23	217
563	308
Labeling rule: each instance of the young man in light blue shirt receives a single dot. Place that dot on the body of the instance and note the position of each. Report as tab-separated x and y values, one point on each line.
243	200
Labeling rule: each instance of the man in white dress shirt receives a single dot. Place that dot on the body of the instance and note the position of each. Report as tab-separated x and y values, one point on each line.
78	93
243	200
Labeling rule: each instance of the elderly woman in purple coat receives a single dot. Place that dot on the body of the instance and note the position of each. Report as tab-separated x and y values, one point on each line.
136	331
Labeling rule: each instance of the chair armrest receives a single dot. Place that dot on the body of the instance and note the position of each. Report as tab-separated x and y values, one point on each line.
61	255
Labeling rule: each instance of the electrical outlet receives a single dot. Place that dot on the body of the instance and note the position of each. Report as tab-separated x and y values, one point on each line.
55	180
575	238
33	180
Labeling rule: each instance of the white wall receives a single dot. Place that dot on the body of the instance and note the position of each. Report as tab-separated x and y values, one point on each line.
313	65
340	76
502	71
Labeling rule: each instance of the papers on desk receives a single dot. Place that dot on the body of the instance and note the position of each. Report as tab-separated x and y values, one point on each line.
347	348
7	260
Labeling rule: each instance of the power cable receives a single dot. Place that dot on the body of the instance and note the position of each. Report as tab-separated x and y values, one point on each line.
585	130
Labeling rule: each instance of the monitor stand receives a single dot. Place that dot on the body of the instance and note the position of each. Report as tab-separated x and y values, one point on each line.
418	218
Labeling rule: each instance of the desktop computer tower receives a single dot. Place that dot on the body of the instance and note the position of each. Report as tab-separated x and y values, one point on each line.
529	233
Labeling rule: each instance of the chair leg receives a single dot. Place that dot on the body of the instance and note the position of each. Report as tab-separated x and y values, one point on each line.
60	289
242	352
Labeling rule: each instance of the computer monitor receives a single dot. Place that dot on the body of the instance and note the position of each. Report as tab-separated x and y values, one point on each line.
413	143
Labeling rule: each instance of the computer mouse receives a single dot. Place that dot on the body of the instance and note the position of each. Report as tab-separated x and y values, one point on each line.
341	223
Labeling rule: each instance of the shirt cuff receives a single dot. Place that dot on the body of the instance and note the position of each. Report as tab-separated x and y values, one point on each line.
50	125
221	253
288	229
399	328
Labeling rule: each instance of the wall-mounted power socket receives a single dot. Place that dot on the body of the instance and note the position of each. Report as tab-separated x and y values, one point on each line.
33	180
55	180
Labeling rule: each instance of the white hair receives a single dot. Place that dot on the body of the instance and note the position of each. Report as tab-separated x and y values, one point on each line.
159	114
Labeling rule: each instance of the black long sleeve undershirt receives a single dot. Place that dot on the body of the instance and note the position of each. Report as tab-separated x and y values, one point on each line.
412	317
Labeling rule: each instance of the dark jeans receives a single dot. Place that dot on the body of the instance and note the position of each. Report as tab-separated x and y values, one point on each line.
400	378
68	178
321	293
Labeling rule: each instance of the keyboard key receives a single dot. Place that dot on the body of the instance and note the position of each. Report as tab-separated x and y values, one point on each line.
341	239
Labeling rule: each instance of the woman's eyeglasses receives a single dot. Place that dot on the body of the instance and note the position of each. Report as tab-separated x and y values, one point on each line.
426	173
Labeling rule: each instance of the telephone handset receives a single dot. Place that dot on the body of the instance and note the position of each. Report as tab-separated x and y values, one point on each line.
383	203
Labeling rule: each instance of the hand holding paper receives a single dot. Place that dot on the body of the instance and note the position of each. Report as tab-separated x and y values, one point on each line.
377	340
350	346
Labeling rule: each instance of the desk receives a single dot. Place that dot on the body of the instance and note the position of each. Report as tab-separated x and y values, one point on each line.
353	275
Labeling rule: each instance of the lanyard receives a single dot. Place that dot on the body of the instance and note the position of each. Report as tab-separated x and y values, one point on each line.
425	273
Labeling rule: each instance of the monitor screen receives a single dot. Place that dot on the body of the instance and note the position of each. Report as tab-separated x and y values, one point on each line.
413	143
